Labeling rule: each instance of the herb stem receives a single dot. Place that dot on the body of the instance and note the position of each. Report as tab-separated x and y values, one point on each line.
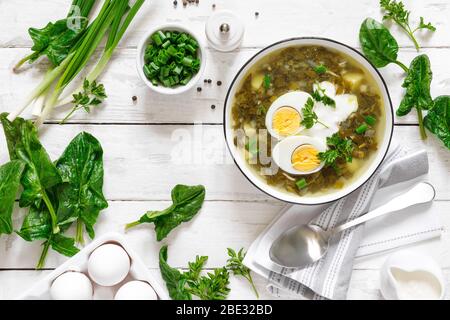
250	279
132	225
401	65
423	133
79	236
320	122
50	208
43	256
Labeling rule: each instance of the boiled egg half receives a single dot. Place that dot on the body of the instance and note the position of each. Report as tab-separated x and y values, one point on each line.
299	155
284	117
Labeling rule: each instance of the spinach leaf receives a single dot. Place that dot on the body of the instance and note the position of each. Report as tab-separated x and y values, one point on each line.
40	173
81	197
37	225
438	119
187	201
56	39
378	44
417	84
174	279
10	175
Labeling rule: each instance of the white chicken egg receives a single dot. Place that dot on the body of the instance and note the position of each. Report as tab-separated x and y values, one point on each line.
285	114
71	286
136	290
298	155
108	265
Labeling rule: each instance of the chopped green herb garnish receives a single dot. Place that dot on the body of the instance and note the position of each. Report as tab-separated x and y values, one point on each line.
370	120
320	69
361	129
319	95
301	184
310	118
340	148
171	59
261	110
267	81
252	147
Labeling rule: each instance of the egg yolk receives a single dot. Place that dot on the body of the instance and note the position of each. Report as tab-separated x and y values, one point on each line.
286	121
305	158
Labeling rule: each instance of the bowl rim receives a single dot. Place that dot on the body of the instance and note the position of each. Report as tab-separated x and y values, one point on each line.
377	72
140	59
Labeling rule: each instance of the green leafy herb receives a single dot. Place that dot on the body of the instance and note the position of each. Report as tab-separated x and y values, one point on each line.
340	148
235	265
40	173
395	10
320	69
10	174
57	39
187	201
80	196
92	95
262	110
310	118
378	44
267	81
417	84
181	286
171	59
438	119
213	286
319	95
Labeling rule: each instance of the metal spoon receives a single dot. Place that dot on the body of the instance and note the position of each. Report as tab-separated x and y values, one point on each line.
305	244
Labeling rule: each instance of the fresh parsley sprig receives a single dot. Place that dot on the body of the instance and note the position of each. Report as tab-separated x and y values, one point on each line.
92	95
396	11
235	265
310	118
340	148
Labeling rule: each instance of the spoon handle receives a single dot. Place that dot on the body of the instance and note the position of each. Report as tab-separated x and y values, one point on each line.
422	192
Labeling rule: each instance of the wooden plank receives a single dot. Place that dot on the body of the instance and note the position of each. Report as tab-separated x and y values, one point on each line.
218	226
145	162
122	83
339	20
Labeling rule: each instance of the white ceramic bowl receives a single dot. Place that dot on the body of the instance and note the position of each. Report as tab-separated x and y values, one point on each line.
141	53
332	196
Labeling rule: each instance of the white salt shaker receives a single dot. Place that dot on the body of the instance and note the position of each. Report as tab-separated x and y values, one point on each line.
224	31
409	275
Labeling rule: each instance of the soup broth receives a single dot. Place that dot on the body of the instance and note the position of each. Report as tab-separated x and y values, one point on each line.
301	70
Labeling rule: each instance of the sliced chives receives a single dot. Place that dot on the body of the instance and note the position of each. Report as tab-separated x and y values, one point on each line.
171	59
301	184
370	120
361	129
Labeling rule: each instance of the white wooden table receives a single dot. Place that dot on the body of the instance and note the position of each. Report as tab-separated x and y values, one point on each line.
140	148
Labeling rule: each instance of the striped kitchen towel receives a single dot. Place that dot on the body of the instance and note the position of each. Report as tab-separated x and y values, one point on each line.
329	277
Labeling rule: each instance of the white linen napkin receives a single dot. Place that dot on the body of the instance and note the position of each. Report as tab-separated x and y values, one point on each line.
329	278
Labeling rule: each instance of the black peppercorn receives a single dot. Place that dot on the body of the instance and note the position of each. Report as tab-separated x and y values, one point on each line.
219	83
199	89
175	3
214	6
256	14
209	81
134	98
213	106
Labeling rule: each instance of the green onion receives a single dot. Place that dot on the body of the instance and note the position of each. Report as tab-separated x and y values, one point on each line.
173	55
370	120
301	184
267	81
361	129
252	147
320	69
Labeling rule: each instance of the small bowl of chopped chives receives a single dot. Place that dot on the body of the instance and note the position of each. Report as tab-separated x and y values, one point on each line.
170	59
